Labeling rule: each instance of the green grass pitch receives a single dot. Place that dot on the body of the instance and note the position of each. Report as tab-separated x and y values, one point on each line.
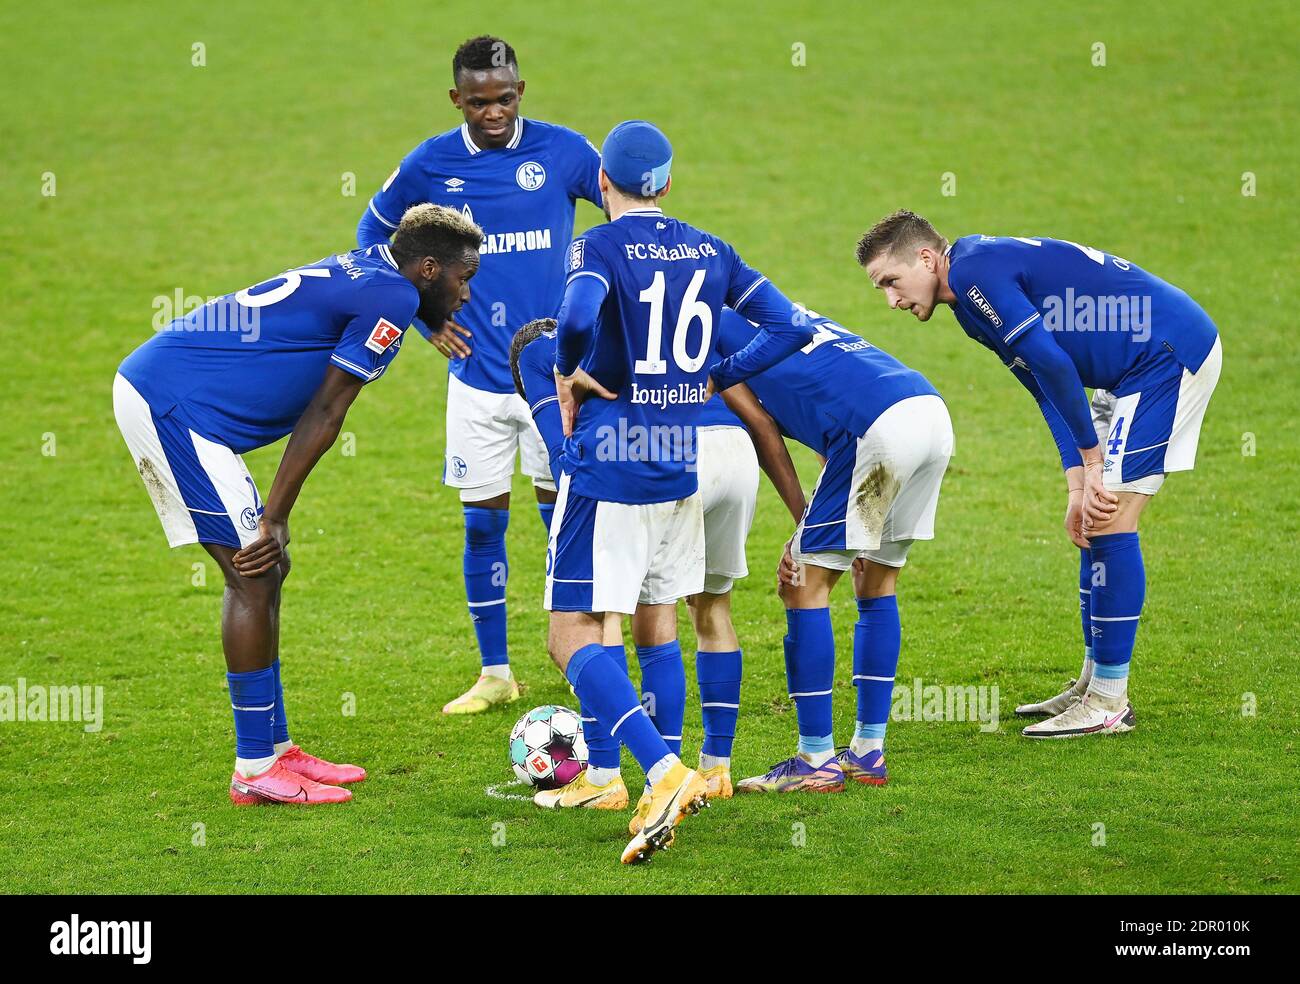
208	178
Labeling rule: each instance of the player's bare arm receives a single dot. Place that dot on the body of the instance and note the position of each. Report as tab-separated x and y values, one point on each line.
315	433
769	445
1074	507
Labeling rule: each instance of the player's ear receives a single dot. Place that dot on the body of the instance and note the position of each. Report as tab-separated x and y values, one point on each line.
454	95
519	89
430	269
667	188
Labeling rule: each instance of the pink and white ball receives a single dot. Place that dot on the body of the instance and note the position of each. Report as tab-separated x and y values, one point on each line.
547	749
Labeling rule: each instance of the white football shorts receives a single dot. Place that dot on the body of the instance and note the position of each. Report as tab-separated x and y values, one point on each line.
879	491
484	432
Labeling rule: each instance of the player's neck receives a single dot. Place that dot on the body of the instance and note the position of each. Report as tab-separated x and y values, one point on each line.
945	294
620	206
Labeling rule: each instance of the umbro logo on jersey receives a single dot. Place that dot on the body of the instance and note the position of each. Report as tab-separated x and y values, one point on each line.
984	306
454	184
383	336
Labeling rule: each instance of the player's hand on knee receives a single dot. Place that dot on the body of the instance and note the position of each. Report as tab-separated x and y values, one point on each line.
788	571
1074	519
266	551
1098	501
449	340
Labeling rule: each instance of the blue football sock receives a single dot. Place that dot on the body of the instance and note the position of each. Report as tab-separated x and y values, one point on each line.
810	673
486	572
602	747
1085	602
280	730
1118	591
604	687
877	639
663	690
252	697
719	677
546	510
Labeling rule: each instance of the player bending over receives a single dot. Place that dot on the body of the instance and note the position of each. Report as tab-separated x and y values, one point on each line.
519	180
629	526
1061	317
886	438
197	395
728	462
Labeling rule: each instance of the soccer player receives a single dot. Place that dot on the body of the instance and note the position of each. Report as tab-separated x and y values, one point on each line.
519	180
1061	317
286	356
728	464
629	527
886	438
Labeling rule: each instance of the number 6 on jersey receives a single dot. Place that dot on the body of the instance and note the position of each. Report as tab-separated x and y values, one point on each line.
692	307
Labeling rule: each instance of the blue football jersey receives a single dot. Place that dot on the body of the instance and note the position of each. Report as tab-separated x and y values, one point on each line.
836	384
522	196
537	374
1119	325
666	284
241	369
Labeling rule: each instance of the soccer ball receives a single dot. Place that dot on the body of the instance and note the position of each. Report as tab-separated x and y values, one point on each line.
547	749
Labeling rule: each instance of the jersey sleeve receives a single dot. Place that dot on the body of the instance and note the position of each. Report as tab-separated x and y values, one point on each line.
582	168
372	337
536	373
1061	435
405	187
1059	380
734	333
993	299
588	274
782	329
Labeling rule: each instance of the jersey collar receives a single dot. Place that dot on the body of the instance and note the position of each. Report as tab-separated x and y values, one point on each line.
474	148
654	210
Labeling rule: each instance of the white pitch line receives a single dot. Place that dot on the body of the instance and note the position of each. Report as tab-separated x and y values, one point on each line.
495	792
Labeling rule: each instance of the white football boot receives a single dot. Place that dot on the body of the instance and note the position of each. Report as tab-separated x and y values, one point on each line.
1091	714
1055	705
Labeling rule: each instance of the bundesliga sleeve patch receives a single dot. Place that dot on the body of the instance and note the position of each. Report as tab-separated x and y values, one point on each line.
984	306
575	254
385	333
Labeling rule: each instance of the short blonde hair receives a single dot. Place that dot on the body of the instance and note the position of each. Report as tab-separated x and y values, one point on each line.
898	233
433	230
